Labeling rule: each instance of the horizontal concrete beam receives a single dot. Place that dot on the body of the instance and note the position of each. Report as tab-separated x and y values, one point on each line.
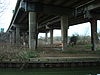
15	15
95	16
47	9
55	10
19	25
93	6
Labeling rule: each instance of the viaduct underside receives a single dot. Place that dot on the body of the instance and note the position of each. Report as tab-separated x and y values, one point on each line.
32	17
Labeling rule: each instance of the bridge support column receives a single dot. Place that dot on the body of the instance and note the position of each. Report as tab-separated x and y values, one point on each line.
10	37
94	37
17	36
36	41
32	30
46	36
13	37
51	36
64	31
25	39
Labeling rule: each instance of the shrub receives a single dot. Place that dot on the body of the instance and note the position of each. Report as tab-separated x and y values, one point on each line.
73	40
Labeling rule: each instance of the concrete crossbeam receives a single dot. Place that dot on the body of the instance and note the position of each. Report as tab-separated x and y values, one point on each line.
47	9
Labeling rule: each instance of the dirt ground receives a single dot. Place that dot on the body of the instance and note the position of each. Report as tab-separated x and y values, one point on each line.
69	52
12	52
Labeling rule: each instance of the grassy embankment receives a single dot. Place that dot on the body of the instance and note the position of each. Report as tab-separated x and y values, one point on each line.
9	52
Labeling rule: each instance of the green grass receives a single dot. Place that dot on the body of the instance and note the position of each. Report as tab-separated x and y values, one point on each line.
81	52
81	49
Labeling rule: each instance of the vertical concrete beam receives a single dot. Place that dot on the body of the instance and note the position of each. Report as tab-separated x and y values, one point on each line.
46	36
17	36
10	37
25	39
14	37
32	30
36	40
51	36
64	31
94	37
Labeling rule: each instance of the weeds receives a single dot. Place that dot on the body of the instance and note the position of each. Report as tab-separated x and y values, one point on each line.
13	52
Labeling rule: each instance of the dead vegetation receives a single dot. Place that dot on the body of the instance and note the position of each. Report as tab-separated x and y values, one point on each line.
11	52
8	51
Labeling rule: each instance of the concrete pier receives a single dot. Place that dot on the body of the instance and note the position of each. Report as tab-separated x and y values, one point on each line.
64	31
32	30
10	37
14	37
36	40
17	36
46	37
51	36
94	37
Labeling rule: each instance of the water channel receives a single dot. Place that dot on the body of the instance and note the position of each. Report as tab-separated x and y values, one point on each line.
51	71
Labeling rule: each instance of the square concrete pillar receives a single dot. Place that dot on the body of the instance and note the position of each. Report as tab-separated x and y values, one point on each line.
32	30
36	41
64	31
94	37
51	36
25	39
46	37
10	37
14	37
17	35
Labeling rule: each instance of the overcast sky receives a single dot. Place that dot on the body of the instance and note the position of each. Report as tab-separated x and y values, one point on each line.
7	6
81	29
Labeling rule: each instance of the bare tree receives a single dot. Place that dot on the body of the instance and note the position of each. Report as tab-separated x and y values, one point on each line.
4	5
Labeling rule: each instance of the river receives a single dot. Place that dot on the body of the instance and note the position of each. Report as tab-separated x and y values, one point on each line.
51	71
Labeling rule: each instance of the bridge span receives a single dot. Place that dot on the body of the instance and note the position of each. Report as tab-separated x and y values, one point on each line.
32	17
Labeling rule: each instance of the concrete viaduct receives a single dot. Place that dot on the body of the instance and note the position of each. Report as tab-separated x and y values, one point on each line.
32	17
